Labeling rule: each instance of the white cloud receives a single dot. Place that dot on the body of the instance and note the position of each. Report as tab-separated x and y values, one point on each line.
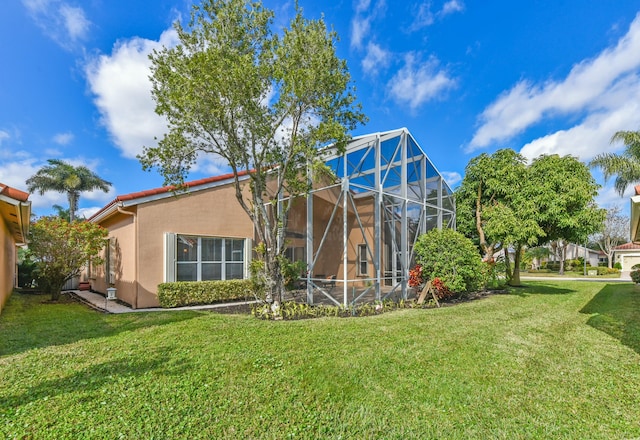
360	27
65	24
3	136
63	138
361	22
451	177
75	22
362	5
423	17
418	82
375	59
592	136
608	197
451	7
122	89
586	87
15	173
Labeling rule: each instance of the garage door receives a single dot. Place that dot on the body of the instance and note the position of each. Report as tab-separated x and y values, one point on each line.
628	261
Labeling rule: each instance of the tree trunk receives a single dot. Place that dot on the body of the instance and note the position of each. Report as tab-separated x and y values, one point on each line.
562	248
515	277
507	265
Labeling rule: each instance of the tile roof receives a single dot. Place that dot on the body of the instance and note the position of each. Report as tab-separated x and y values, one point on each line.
164	190
627	246
15	194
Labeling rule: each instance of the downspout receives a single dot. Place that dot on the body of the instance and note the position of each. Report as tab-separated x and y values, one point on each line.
135	253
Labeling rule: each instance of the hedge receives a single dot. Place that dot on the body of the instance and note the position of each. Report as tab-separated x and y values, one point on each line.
191	293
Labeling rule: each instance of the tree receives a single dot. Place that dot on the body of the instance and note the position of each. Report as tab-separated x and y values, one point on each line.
564	193
625	166
492	206
614	231
515	206
63	177
61	249
62	213
261	101
534	255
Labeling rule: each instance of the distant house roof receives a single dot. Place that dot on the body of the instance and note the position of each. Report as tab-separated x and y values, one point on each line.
149	195
627	246
15	209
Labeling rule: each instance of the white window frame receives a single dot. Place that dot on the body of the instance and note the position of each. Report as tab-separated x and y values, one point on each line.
171	256
363	253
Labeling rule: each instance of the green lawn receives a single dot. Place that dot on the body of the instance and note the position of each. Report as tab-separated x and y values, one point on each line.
557	359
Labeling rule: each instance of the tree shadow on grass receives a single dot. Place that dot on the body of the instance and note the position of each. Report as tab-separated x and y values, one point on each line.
28	321
96	376
615	310
539	288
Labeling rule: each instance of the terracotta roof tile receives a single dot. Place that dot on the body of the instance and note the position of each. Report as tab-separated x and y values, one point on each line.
627	246
165	189
15	194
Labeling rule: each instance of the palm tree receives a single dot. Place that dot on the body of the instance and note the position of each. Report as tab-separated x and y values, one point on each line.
625	166
63	177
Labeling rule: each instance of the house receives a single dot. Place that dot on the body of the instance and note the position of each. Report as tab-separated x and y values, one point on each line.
358	227
628	255
576	251
635	216
15	210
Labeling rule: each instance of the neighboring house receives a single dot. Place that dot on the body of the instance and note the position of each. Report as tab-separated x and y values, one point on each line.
635	216
575	251
628	255
15	210
384	182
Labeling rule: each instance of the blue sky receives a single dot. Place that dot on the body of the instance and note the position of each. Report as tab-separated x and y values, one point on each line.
464	77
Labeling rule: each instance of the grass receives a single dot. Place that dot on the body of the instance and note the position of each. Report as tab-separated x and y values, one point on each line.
557	359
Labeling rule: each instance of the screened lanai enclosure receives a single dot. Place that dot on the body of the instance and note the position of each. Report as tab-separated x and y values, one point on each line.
356	230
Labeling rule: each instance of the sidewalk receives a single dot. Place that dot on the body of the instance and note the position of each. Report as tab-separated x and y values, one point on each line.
624	278
100	303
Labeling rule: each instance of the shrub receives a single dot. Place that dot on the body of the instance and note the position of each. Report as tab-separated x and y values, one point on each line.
189	293
452	257
573	264
618	265
635	276
291	310
607	271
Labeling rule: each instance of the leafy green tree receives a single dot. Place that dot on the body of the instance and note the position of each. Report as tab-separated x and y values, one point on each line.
61	249
625	166
62	213
614	232
62	177
492	206
262	101
452	257
564	193
534	255
514	206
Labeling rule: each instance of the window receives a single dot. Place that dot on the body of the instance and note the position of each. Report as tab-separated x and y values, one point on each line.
295	253
363	263
208	258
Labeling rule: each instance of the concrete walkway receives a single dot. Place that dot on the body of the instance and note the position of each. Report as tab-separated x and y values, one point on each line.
100	303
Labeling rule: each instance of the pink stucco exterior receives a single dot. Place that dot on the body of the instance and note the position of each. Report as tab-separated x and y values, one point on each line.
15	212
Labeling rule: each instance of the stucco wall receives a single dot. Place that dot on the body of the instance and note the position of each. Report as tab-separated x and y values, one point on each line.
7	263
140	262
122	259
